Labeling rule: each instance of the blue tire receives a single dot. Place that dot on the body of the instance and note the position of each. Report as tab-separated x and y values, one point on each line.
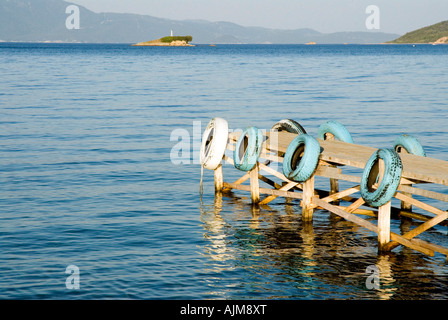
298	167
336	129
288	125
247	149
410	144
391	178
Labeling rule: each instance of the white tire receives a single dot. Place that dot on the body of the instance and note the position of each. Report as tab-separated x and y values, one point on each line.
214	143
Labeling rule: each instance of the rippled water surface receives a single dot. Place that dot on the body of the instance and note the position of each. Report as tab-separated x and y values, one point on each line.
87	177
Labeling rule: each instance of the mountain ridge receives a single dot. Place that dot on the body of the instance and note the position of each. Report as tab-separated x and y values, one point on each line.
435	33
44	20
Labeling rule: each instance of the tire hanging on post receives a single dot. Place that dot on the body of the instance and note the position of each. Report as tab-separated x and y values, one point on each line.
390	181
335	128
214	143
248	149
410	144
213	146
288	125
301	158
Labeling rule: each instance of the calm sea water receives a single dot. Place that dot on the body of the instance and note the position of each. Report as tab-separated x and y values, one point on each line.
86	178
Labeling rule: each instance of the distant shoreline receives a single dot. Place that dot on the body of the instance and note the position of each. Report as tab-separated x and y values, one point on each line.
218	44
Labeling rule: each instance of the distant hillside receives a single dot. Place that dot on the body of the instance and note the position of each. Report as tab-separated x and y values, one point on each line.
430	34
44	20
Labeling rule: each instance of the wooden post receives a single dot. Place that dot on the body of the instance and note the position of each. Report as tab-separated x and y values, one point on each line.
219	179
334	186
334	183
405	205
254	185
384	226
308	194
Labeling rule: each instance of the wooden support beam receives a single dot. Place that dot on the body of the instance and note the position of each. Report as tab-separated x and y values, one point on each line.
340	195
346	215
219	179
334	187
269	181
286	187
419	204
307	203
424	193
370	226
254	185
287	194
440	216
355	205
384	226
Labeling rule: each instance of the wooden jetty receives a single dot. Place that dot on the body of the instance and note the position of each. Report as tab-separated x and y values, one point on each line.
337	157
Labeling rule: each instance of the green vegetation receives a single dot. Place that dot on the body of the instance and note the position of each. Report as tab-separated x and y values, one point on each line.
425	35
169	39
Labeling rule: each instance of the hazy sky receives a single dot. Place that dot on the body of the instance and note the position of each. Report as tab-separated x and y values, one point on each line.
396	16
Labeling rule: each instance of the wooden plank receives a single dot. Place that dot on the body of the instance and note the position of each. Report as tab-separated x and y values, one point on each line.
269	181
419	204
346	215
271	157
244	178
431	246
411	244
328	172
424	193
275	173
355	205
341	194
286	187
417	168
440	216
370	226
287	194
228	160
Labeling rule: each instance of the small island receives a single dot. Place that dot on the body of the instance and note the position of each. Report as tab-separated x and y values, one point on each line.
173	41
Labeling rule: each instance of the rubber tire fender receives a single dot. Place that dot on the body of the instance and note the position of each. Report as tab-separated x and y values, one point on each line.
297	168
335	128
245	157
410	144
391	178
214	143
288	125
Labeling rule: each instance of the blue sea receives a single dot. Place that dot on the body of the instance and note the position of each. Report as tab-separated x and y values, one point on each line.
94	204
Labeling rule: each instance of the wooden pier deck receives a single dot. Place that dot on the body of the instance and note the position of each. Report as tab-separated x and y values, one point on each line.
335	157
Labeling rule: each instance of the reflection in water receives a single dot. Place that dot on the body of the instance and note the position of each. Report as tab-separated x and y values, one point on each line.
268	252
387	282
